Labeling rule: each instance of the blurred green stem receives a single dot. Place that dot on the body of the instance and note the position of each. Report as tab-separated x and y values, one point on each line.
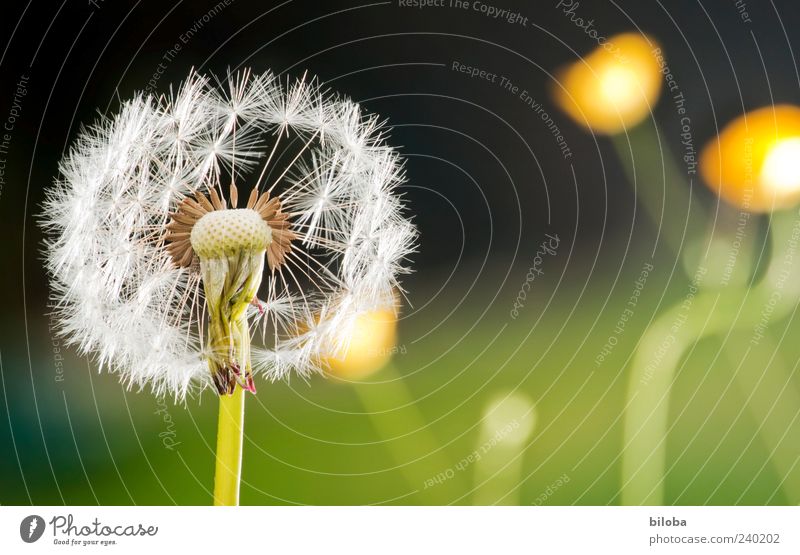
666	342
649	165
405	432
498	475
766	384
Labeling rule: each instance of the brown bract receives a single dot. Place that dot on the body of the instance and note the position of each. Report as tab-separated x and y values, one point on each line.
190	210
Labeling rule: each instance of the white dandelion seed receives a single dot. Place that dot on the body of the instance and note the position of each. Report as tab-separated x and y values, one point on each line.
161	273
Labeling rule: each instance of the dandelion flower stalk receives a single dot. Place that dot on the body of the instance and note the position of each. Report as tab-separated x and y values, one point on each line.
161	274
230	439
644	463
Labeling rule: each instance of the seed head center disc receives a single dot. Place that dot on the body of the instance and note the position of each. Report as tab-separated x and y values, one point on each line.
226	232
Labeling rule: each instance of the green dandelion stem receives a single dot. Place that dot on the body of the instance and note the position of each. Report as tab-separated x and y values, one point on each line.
666	343
230	435
766	383
402	427
661	186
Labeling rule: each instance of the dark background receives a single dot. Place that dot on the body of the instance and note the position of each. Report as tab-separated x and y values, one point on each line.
465	140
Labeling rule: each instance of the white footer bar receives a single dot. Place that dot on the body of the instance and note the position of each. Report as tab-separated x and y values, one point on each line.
400	530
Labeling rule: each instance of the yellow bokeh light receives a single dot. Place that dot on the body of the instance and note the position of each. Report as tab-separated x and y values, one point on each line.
510	417
371	342
754	163
781	165
617	85
612	88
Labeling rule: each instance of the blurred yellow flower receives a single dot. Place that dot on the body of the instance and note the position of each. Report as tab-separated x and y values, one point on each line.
371	343
754	163
612	88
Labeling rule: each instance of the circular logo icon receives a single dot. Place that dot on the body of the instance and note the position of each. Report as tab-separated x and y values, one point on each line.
31	528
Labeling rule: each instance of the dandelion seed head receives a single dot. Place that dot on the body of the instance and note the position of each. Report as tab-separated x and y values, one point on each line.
146	235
